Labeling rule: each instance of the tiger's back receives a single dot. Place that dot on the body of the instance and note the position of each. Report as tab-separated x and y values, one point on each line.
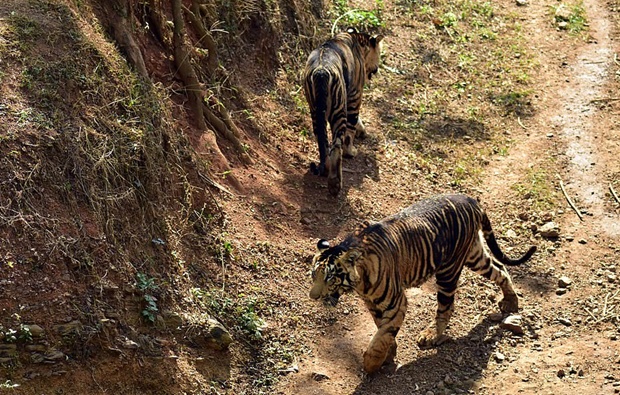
333	80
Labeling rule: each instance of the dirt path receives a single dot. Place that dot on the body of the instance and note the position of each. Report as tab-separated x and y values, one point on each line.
564	350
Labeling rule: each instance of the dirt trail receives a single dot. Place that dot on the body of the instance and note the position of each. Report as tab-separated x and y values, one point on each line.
580	124
552	358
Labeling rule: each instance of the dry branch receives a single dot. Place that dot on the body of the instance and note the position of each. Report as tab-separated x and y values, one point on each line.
570	202
613	193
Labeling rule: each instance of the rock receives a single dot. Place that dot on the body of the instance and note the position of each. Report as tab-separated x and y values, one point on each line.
129	344
521	3
496	317
513	323
562	13
499	357
560	291
550	230
53	355
611	278
68	328
561	373
511	234
173	320
563	25
36	348
8	350
583	241
430	393
319	376
564	282
209	333
35	330
36	357
218	336
565	321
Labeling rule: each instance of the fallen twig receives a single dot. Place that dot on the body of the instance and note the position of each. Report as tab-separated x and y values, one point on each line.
570	202
521	124
616	59
604	99
591	315
613	193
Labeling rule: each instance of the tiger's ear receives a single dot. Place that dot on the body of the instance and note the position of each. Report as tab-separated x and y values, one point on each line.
322	245
351	30
376	40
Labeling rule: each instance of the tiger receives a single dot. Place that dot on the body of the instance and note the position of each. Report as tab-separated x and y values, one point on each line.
380	260
334	78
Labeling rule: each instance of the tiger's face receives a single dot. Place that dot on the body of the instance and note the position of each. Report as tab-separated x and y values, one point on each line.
332	273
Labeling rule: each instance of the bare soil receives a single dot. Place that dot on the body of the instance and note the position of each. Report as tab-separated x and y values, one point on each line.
568	131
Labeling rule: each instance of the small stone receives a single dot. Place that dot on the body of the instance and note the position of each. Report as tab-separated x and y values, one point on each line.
549	135
129	344
172	320
511	234
35	330
430	393
68	328
560	291
496	317
54	355
550	230
521	3
319	376
611	278
36	348
513	323
561	373
583	241
499	357
565	321
564	282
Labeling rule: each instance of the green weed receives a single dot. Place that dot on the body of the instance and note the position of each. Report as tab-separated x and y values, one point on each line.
147	284
538	188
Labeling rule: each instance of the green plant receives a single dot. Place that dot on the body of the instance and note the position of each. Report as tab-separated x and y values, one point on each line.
150	311
364	19
147	284
571	17
249	320
537	187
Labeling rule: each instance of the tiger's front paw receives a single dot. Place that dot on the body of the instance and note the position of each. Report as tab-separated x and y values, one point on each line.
510	304
373	360
429	338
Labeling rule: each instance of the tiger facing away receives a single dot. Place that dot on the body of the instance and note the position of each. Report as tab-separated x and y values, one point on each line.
334	79
381	260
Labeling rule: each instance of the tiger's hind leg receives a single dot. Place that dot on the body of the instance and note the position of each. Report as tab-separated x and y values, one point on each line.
482	263
447	281
382	347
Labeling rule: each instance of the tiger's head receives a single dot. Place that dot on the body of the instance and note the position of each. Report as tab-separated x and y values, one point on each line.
371	49
333	272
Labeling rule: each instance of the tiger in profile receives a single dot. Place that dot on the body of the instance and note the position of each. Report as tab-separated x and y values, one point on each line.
381	260
334	79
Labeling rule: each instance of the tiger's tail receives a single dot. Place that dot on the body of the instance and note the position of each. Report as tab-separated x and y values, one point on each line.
489	237
320	88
